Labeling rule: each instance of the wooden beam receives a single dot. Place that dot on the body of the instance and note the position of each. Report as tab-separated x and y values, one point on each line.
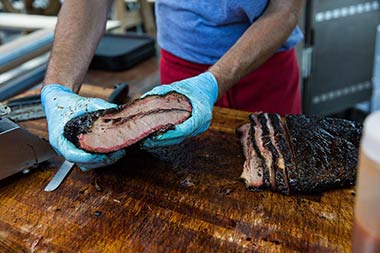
148	18
24	48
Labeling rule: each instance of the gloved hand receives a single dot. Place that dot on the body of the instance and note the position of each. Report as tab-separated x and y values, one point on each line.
60	105
202	90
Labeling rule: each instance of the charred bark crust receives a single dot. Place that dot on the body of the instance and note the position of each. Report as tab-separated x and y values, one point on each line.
82	124
325	150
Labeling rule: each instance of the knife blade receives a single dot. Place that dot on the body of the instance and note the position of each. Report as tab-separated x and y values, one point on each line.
58	178
29	107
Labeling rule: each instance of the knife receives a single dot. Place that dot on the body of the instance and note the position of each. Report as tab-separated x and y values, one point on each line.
29	107
62	172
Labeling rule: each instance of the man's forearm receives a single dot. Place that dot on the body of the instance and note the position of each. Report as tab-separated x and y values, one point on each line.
258	43
79	29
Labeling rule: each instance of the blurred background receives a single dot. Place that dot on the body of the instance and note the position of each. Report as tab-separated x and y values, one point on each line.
339	58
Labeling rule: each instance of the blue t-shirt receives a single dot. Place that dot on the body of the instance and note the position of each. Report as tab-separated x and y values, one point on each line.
201	31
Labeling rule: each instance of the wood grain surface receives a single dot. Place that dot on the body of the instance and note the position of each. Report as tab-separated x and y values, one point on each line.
183	198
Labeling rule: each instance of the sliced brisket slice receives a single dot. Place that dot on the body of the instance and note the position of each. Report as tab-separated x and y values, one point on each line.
169	101
289	173
266	158
109	130
325	150
284	158
269	151
254	164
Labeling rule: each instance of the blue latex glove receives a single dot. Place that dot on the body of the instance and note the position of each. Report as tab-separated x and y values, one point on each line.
60	105
202	90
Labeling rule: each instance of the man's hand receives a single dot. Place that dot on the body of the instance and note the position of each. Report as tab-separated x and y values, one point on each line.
60	105
202	90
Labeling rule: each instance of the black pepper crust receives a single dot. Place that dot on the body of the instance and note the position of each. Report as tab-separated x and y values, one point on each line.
326	151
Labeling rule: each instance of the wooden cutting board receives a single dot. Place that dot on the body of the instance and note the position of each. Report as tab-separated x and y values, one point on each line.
185	198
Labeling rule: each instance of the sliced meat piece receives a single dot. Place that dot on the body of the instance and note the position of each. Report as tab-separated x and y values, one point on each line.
325	151
257	138
253	165
289	154
278	142
281	143
171	101
270	151
109	130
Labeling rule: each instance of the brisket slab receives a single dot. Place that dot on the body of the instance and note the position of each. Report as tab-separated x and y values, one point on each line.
302	154
325	151
109	130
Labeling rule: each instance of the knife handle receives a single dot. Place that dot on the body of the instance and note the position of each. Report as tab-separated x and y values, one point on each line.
119	94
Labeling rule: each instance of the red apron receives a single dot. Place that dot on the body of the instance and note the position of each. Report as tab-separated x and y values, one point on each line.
273	87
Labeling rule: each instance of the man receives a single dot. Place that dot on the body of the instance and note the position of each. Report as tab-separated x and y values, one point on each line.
213	44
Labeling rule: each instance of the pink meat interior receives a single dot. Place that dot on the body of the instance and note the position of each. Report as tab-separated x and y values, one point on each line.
109	135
